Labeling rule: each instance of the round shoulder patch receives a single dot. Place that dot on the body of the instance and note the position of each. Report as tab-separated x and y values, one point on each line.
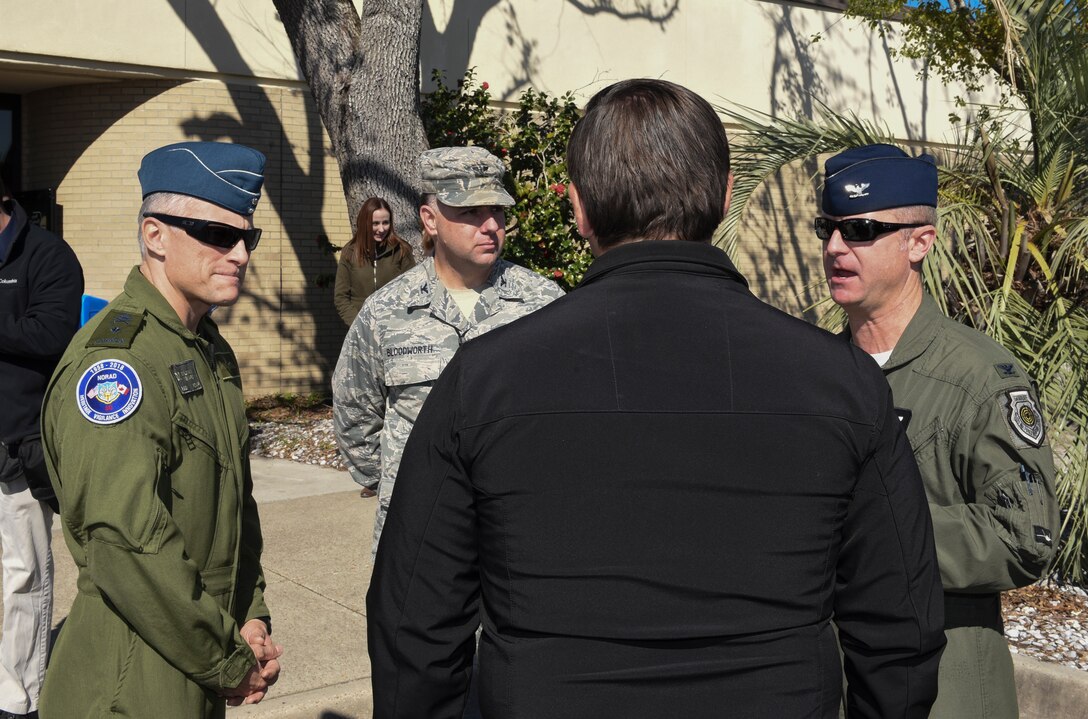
108	392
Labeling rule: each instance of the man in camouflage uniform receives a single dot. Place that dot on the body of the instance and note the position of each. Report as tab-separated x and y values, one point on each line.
969	410
409	330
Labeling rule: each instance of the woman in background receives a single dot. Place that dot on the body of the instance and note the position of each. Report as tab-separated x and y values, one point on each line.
373	257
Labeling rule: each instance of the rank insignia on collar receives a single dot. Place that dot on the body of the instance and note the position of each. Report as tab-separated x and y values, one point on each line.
186	378
108	392
117	329
1024	417
1006	370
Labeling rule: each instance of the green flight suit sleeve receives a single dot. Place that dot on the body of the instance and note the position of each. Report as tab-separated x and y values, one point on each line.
359	394
113	482
251	584
1006	533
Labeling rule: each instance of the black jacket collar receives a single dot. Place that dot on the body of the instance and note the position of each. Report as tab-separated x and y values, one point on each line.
663	254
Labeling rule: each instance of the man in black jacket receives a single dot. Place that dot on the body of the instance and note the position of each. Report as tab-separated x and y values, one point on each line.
40	287
658	491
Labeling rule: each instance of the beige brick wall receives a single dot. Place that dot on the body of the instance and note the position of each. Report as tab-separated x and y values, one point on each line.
87	141
777	250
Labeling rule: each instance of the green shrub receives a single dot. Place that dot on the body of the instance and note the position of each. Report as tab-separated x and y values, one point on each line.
532	141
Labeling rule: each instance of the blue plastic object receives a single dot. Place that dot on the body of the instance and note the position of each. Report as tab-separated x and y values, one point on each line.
90	307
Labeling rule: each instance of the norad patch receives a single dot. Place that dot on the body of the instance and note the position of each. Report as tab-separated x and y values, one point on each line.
108	392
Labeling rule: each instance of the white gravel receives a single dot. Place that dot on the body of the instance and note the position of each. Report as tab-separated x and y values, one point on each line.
307	442
1052	628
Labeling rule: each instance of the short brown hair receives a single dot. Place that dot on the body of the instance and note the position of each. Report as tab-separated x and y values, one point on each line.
650	161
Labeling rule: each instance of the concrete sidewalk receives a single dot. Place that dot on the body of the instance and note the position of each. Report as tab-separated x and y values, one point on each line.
316	561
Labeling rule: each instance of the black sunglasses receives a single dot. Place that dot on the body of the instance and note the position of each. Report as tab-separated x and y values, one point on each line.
211	233
857	229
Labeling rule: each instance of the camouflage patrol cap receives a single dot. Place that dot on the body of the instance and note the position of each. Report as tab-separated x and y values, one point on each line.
464	177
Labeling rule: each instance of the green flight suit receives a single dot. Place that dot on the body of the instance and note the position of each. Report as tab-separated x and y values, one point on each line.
974	421
158	513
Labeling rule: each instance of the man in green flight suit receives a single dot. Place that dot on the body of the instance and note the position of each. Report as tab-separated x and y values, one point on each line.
969	410
146	443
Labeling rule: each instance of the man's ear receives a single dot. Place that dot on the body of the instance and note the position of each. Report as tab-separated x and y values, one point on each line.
728	195
428	220
921	242
580	219
153	236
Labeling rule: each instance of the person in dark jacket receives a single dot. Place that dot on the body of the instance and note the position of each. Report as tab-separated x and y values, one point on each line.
373	257
40	287
656	493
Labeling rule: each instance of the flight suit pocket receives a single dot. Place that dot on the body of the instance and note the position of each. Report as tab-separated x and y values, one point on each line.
408	382
195	487
413	369
219	583
930	446
1020	504
196	439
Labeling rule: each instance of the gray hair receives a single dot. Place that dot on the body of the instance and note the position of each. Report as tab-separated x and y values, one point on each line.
167	203
914	214
924	214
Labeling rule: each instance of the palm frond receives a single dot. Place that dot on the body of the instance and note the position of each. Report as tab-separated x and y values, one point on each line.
767	144
1012	259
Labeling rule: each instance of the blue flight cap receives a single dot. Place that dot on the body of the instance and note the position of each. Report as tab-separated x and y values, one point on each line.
877	177
222	173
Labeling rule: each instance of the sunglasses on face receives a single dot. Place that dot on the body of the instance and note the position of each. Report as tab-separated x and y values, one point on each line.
212	233
857	229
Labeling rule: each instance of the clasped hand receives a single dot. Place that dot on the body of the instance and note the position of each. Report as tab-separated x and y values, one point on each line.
264	673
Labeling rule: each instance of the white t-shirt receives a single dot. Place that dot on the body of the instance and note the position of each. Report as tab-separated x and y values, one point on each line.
880	357
465	300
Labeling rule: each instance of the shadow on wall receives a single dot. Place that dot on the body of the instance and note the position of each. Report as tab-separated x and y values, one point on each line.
779	252
451	47
299	310
776	251
102	216
299	211
302	219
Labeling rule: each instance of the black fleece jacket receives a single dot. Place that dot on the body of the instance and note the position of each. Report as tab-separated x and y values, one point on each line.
654	494
40	287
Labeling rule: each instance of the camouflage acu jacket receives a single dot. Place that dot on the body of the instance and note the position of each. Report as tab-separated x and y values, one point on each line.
402	339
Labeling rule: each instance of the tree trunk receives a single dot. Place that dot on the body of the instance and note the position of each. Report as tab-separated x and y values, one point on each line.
363	74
